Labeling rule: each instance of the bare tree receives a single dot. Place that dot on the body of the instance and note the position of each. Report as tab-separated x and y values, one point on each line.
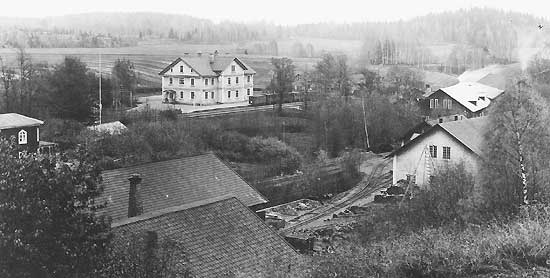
7	77
26	74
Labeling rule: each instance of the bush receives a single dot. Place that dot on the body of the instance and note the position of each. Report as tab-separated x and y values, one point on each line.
170	114
447	201
63	132
271	149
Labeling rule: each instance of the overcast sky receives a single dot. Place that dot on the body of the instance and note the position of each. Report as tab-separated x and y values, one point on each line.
277	11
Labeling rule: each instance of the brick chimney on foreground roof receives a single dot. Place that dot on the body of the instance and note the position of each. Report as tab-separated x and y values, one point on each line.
135	206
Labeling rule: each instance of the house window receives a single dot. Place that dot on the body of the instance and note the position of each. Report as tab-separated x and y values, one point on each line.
456	118
212	81
22	136
171	81
436	103
192	82
181	94
229	80
237	80
212	95
181	68
248	79
192	95
182	81
447	103
446	152
229	94
233	68
247	92
206	82
171	69
237	93
433	151
205	95
192	70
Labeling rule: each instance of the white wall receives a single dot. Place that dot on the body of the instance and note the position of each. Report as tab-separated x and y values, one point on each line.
413	157
219	87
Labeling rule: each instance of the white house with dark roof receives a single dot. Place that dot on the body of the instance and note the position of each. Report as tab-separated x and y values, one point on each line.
441	145
207	79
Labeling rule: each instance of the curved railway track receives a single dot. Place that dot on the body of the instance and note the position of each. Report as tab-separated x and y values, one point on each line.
374	182
235	110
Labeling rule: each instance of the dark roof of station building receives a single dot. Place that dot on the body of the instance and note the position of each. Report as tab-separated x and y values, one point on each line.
219	237
175	182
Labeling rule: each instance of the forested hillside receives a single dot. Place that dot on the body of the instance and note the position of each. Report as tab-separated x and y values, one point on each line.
493	31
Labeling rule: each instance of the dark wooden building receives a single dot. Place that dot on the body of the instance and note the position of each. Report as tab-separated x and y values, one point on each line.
469	99
25	130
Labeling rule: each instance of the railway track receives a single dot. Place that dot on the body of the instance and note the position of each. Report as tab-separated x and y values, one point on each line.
376	180
235	110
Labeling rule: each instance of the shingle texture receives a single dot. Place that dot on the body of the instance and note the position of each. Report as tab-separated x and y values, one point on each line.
13	120
469	132
175	182
218	238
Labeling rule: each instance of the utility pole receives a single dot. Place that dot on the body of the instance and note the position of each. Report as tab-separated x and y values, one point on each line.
365	120
100	104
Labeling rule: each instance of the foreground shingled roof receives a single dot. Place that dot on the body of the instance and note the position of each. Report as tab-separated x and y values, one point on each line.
219	237
175	182
13	120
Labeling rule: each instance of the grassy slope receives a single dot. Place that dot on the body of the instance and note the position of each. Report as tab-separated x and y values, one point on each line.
520	248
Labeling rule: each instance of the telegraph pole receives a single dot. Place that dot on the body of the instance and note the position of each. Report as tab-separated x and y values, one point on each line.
100	104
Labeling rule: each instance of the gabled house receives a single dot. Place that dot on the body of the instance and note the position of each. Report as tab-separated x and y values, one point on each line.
26	130
204	80
218	237
469	99
444	143
160	185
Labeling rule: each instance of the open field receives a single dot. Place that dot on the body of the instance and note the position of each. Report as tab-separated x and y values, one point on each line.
149	60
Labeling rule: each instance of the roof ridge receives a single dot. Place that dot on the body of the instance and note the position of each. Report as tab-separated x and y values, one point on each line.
161	212
160	161
235	172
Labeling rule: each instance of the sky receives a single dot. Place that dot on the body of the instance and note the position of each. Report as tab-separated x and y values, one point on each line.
285	12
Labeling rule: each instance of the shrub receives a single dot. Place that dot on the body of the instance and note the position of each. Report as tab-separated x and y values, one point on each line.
271	149
170	114
63	132
446	201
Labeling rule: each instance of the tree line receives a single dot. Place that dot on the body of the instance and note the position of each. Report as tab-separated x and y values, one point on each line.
68	90
491	32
